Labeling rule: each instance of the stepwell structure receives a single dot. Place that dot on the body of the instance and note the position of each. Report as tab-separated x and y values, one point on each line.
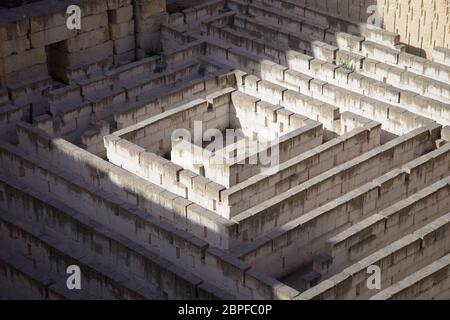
92	174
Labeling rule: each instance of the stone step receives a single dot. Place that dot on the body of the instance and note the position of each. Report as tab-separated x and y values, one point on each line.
78	231
429	283
333	183
359	89
432	83
442	55
33	283
177	246
303	167
134	190
41	242
309	233
386	226
411	253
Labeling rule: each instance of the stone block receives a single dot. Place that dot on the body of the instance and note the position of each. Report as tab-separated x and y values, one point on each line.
121	15
122	30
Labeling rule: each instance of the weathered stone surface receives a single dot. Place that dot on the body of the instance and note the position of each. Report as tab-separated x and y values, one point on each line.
234	149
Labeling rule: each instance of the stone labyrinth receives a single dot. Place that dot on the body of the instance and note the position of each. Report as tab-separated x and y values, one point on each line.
339	159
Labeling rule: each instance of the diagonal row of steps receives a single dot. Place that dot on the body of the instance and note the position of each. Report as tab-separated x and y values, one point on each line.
431	282
107	210
309	233
21	280
435	105
330	185
74	234
315	68
51	255
289	16
396	261
389	224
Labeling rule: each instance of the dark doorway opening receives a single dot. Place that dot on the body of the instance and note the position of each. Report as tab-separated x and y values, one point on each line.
174	6
57	61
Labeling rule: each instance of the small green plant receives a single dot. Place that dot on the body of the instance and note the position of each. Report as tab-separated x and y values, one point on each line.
348	65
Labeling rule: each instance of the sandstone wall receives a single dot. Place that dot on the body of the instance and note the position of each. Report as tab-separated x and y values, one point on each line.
422	24
35	40
308	233
190	253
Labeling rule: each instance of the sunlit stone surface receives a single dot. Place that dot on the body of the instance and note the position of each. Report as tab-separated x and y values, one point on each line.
354	119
